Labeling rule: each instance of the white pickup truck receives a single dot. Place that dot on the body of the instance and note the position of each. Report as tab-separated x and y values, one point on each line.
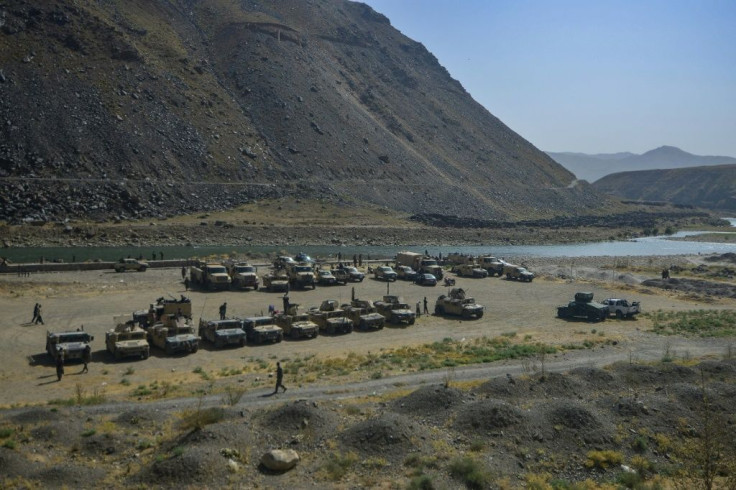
622	308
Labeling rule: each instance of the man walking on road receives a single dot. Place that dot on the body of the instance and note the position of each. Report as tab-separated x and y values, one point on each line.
223	311
39	318
279	378
60	366
86	355
35	312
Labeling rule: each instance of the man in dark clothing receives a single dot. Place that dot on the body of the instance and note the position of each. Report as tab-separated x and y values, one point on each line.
86	355
223	311
285	299
183	272
35	313
60	366
426	311
279	378
39	318
186	284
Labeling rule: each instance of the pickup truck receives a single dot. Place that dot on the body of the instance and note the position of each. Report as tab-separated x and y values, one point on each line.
622	308
348	274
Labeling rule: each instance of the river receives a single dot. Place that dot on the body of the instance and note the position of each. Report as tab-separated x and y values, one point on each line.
658	245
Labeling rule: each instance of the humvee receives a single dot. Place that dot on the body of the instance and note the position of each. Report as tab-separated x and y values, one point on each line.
583	307
470	270
330	318
296	325
457	303
124	265
261	329
127	339
364	315
71	344
395	310
223	332
174	333
277	280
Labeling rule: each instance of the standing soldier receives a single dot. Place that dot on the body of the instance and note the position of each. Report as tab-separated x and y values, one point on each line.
35	313
186	284
426	311
60	365
223	311
183	272
279	378
39	318
86	355
285	300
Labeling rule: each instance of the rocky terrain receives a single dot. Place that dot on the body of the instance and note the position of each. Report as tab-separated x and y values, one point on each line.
161	108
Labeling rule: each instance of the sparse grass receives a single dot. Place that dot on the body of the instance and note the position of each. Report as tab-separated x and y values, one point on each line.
694	323
9	444
233	394
603	459
89	432
337	466
128	372
470	472
201	417
81	398
6	432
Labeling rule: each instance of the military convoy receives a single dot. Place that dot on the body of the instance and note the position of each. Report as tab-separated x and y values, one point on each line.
127	339
583	307
210	276
296	325
243	276
70	345
458	303
222	333
330	318
395	310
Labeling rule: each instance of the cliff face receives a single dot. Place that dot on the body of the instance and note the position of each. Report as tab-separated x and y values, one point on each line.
149	107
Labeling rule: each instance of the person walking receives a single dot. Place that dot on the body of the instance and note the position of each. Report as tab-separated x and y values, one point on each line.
419	311
39	318
86	356
35	313
183	272
186	284
223	311
60	365
279	378
426	311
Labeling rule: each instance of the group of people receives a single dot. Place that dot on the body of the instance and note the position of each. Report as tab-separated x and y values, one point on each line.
86	357
37	318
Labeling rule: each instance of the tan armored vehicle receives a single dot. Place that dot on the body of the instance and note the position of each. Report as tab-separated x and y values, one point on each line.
136	265
71	344
395	310
223	332
243	276
470	270
276	281
517	272
173	334
296	325
163	306
331	318
457	303
262	329
364	315
493	265
210	276
301	275
127	340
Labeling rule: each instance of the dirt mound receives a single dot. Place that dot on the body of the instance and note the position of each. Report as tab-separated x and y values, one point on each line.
715	368
296	416
693	286
550	385
488	415
642	374
195	466
506	387
431	402
594	376
70	475
141	418
35	415
388	434
572	415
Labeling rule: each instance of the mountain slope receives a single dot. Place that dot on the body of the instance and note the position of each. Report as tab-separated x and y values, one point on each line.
593	167
712	187
152	107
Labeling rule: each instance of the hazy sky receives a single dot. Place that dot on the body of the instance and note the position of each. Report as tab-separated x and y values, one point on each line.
593	76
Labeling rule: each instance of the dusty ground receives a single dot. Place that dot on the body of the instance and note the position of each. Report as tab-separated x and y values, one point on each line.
371	426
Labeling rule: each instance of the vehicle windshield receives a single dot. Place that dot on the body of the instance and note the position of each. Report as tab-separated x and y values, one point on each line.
351	269
137	335
429	262
385	269
216	269
325	273
228	325
74	337
245	268
303	268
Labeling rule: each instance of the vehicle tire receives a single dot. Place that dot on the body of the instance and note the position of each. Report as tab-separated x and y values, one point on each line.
438	310
411	322
195	349
465	315
508	277
169	350
218	344
480	315
118	355
242	342
294	334
145	355
350	328
363	326
619	314
361	279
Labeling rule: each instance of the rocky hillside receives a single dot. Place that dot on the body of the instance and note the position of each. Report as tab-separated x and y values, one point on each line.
159	107
593	167
711	187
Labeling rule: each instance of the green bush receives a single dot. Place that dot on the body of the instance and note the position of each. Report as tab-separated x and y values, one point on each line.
470	472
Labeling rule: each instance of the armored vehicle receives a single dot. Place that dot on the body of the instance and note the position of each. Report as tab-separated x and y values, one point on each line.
517	272
210	276
364	315
459	304
124	265
301	276
583	307
71	344
470	270
395	310
493	265
173	334
243	276
296	325
330	318
276	281
223	332
348	274
384	273
420	263
262	329
163	306
127	340
622	308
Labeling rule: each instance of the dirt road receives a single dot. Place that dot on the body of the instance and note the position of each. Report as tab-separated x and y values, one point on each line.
92	298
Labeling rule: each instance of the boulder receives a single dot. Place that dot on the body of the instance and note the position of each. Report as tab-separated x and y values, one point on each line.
280	459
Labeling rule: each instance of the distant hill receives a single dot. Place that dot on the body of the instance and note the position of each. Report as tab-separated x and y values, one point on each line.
710	187
122	108
593	167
